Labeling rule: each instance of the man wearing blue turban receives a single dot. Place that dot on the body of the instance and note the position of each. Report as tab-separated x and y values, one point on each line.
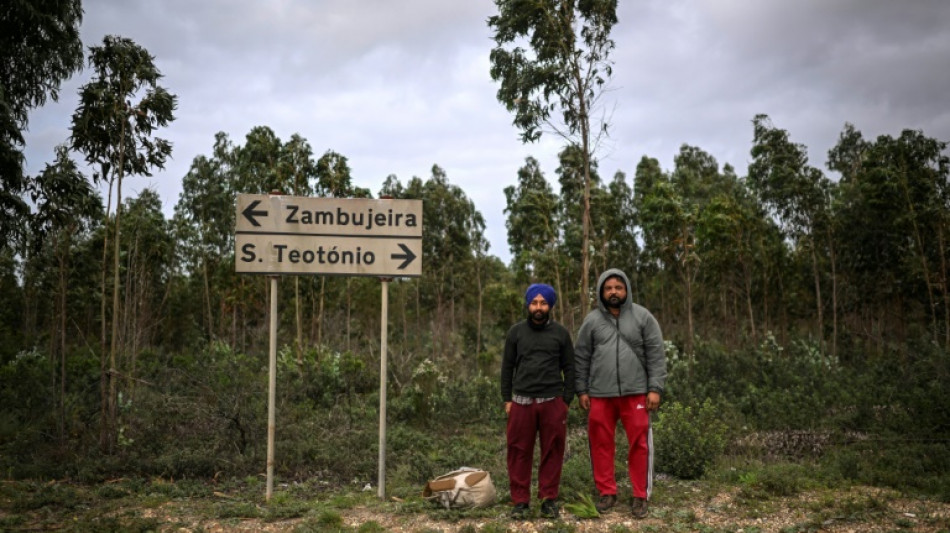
537	386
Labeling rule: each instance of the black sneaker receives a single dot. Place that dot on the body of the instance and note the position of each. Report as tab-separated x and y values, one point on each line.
606	502
520	511
639	508
549	509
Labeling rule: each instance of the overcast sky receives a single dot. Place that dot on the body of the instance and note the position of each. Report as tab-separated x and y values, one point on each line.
399	85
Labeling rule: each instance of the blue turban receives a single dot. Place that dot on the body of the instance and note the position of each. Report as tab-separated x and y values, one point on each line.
546	292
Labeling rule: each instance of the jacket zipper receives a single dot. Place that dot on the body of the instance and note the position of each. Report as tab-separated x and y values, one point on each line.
617	357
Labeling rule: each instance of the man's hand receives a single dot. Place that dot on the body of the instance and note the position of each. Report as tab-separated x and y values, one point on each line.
653	401
584	401
507	408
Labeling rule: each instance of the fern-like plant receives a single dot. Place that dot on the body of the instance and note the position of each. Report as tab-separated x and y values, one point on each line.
584	508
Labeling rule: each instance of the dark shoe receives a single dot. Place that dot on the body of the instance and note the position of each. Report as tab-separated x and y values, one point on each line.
520	511
639	508
549	509
606	502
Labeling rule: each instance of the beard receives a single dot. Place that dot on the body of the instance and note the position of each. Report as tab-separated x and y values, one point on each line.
539	317
614	302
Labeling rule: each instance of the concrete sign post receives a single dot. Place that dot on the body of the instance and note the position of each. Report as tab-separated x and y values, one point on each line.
292	235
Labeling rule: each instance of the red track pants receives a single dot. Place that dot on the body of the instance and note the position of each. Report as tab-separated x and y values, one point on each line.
547	420
601	429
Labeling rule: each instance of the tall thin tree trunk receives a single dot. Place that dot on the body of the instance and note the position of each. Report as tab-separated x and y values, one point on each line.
419	335
478	321
834	297
323	283
299	324
348	307
564	304
748	300
63	287
209	317
113	369
919	241
585	222
687	268
818	300
585	241
689	312
452	306
766	316
942	244
104	427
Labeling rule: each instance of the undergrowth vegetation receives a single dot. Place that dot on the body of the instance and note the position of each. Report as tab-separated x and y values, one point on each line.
772	421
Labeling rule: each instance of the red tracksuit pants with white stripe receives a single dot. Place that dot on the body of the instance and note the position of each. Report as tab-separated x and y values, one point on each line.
546	421
601	429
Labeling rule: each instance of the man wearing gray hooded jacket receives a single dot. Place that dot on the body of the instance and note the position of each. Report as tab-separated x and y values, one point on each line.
620	370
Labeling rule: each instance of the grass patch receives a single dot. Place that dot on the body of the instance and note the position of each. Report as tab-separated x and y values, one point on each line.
237	510
370	527
780	480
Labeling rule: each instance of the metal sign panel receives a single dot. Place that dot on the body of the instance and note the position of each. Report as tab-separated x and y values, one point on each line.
296	235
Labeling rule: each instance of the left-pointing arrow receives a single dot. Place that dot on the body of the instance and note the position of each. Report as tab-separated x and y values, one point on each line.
406	257
249	213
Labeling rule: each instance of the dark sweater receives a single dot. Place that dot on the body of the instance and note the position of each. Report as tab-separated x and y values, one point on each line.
538	362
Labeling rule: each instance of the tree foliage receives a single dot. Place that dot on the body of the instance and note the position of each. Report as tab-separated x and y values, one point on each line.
39	49
558	83
113	127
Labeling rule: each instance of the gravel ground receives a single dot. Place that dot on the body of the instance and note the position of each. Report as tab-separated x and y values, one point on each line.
859	509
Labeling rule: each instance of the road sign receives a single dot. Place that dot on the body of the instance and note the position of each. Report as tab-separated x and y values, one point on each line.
296	235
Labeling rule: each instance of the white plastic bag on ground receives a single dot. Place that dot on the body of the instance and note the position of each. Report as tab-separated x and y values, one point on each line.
465	487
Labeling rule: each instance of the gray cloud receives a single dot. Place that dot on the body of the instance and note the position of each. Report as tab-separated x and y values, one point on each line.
399	86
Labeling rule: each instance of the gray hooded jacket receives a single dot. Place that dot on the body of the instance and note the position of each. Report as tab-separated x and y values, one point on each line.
610	352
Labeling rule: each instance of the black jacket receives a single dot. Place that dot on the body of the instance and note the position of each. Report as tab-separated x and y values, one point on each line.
538	362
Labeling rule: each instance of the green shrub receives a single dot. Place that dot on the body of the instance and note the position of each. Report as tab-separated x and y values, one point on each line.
688	439
774	480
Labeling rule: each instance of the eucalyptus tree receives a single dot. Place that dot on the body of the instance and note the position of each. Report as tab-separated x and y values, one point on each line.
670	219
11	314
670	207
558	85
731	232
119	112
65	204
453	244
649	268
39	49
334	179
481	262
576	247
149	248
532	224
257	163
618	226
408	294
204	218
797	194
451	222
898	189
298	173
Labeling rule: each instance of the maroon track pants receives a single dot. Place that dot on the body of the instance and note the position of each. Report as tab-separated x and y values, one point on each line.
601	429
547	420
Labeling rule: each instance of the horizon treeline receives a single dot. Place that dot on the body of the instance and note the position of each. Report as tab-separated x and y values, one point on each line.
858	264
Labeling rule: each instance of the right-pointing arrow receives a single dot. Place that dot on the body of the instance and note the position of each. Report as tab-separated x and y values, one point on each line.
407	257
